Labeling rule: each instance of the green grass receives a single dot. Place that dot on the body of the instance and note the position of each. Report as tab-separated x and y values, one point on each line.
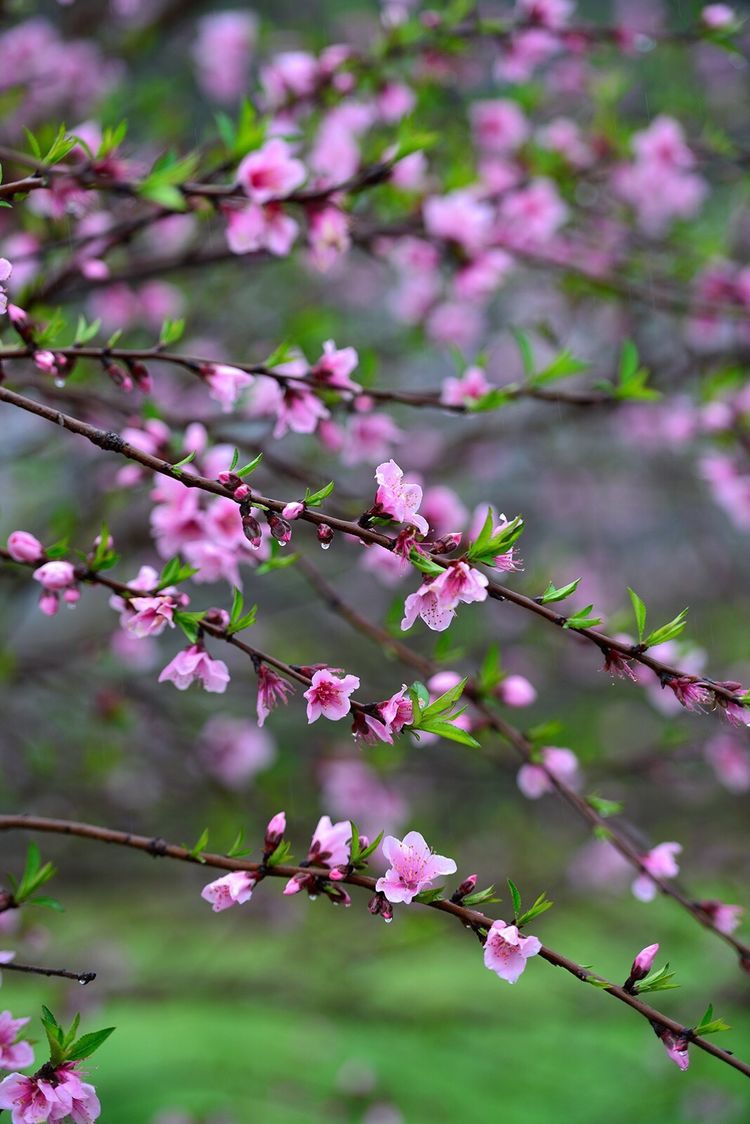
257	1015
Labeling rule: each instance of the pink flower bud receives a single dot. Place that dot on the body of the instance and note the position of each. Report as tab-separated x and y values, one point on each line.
280	529
468	886
55	575
45	361
49	604
230	480
516	690
72	597
643	963
141	376
274	832
293	510
252	531
17	315
242	492
325	535
23	547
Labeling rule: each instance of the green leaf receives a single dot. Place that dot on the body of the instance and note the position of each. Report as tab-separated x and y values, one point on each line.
527	354
235	458
85	331
238	850
488	545
174	572
563	366
541	905
189	623
185	460
433	895
446	701
447	730
314	499
581	619
639	609
88	1043
250	466
281	854
603	806
423	564
490	673
667	631
237	621
171	332
481	897
200	845
35	875
710	1025
515	897
278	560
553	593
658	981
493	399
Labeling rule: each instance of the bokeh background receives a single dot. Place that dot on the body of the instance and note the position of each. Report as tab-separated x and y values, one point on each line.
292	1011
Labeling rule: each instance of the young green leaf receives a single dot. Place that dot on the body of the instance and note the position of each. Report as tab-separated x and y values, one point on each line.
667	631
639	609
553	593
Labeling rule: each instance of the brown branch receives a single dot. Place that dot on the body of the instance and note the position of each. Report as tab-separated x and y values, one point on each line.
80	977
470	918
113	442
524	747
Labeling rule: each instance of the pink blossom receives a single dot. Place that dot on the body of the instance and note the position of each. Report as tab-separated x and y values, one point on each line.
394	101
443	509
334	367
515	690
254	227
524	52
730	760
55	576
330	843
726	918
643	962
459	582
14	1053
299	410
506	951
717	17
329	237
23	547
547	13
289	74
369	438
84	1106
32	1100
660	862
293	510
470	387
195	663
413	867
271	172
274	832
397	498
329	694
676	1046
225	384
459	217
397	711
272	690
530	216
151	616
534	781
351	787
235	888
222	53
234	750
426	603
498	125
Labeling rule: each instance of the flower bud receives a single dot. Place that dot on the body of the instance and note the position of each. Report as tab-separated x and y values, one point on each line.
379	904
293	510
242	492
325	535
119	376
72	597
274	832
230	480
48	603
251	529
644	962
141	376
446	543
23	547
468	886
280	529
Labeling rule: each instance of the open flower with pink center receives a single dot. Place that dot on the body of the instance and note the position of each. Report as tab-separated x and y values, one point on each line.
84	1106
32	1100
151	615
498	124
14	1052
328	695
660	862
459	217
459	582
195	663
330	843
397	498
271	172
413	867
427	604
335	366
232	889
506	951
298	409
256	226
397	711
534	780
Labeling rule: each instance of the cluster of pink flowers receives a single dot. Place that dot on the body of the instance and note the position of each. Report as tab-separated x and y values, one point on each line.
659	184
51	1096
436	599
